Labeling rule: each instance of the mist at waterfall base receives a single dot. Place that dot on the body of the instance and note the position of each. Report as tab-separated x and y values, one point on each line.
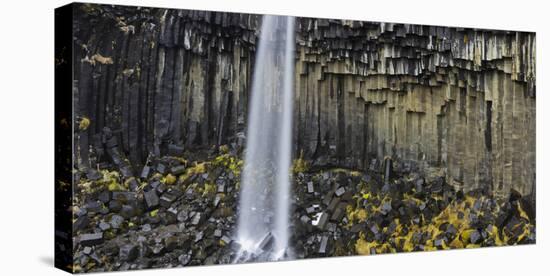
264	202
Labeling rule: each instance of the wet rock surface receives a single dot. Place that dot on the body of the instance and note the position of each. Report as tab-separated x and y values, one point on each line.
347	212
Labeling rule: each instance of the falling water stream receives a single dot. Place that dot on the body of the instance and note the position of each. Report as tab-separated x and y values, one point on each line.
264	203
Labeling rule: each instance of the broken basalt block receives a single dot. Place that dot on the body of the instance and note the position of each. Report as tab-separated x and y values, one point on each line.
385	208
127	211
266	242
161	168
151	199
170	243
145	172
87	250
339	213
312	209
227	241
133	184
217	200
184	259
475	237
177	170
321	221
128	252
93	175
91	239
175	150
221	187
197	219
81	223
167	199
104	196
124	197
104	225
310	189
126	172
340	191
323	245
183	215
333	204
93	207
328	198
115	206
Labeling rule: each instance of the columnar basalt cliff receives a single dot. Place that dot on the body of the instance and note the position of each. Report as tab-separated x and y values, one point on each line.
461	100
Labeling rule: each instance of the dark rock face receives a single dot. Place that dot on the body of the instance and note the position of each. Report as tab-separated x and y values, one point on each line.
158	81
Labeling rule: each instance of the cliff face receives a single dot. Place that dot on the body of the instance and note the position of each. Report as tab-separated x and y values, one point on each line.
452	98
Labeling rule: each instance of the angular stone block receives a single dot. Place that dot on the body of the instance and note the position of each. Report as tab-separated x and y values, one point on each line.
151	199
91	239
128	252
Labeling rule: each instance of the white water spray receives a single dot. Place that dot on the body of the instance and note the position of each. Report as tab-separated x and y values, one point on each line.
264	204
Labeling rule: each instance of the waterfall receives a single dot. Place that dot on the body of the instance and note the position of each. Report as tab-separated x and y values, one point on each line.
264	199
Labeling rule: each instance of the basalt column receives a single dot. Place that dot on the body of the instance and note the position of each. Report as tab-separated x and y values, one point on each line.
460	100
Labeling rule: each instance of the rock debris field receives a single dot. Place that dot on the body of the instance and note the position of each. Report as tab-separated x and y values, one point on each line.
182	211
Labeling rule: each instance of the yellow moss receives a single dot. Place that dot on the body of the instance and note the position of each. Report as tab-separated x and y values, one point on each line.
114	186
84	123
417	201
230	162
110	180
346	171
456	243
222	243
157	176
455	214
366	195
429	248
355	173
408	244
169	179
493	233
361	215
224	149
197	168
209	189
154	213
527	230
235	166
363	247
221	160
300	165
466	234
355	215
